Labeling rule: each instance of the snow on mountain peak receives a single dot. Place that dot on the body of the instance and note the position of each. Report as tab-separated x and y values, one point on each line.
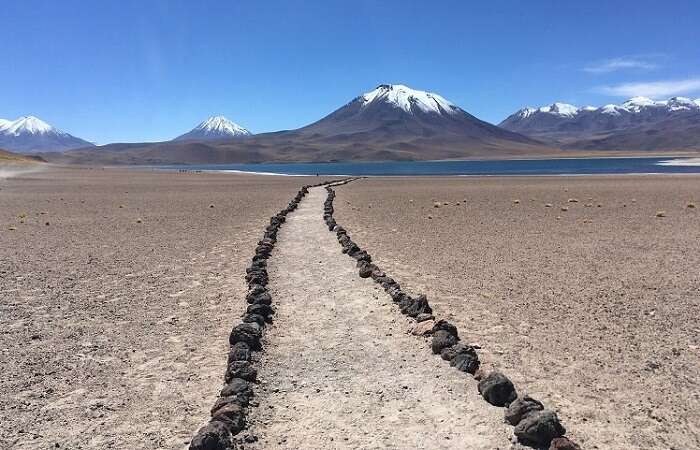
526	112
221	125
613	110
562	109
680	103
559	109
639	100
405	98
28	125
634	105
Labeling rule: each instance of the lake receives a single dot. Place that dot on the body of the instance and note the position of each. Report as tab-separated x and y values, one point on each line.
561	166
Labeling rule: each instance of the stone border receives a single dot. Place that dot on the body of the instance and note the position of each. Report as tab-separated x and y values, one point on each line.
228	414
534	425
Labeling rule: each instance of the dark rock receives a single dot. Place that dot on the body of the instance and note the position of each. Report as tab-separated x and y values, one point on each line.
240	369
497	389
387	283
521	408
539	428
240	400
418	306
213	436
255	289
445	326
236	386
563	443
257	278
261	310
246	332
263	298
466	362
351	248
405	302
256	266
423	317
240	351
442	339
254	318
365	270
232	416
377	274
450	352
398	296
362	256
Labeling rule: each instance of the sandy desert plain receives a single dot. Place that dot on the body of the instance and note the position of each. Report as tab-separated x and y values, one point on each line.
118	289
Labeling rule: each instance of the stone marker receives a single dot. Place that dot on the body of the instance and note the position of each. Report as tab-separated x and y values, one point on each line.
442	339
213	436
522	407
497	389
539	428
563	443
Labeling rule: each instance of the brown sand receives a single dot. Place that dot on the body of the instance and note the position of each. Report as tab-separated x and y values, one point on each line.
594	313
114	333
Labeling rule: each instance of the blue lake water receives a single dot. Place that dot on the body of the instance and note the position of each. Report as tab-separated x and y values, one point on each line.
568	166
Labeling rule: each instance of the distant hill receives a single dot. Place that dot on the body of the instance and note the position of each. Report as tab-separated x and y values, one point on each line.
29	134
391	122
16	158
639	124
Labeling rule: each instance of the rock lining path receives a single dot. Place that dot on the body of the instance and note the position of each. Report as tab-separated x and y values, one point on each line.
339	369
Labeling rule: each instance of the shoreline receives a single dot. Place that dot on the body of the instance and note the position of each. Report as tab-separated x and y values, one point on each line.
680	165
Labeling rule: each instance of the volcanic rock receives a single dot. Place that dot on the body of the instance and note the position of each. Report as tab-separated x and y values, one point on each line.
497	389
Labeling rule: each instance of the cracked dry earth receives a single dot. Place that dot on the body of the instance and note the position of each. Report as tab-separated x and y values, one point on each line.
340	370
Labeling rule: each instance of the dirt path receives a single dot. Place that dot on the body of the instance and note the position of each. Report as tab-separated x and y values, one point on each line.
341	372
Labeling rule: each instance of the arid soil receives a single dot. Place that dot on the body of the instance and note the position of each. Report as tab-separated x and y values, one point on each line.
117	293
590	305
118	290
341	372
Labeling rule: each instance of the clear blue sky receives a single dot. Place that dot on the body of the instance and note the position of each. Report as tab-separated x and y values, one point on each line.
149	70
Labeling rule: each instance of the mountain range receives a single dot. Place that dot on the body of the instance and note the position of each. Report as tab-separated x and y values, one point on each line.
393	122
29	134
637	124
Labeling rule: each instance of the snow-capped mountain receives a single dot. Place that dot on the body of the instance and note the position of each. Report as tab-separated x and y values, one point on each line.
561	113
395	112
29	134
215	127
388	123
407	99
573	126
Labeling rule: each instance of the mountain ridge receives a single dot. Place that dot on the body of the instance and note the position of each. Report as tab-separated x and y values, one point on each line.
390	122
639	123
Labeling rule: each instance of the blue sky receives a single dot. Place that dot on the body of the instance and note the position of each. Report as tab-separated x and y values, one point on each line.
126	71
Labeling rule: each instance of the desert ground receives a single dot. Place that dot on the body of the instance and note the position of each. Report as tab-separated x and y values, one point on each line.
593	310
113	332
118	289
